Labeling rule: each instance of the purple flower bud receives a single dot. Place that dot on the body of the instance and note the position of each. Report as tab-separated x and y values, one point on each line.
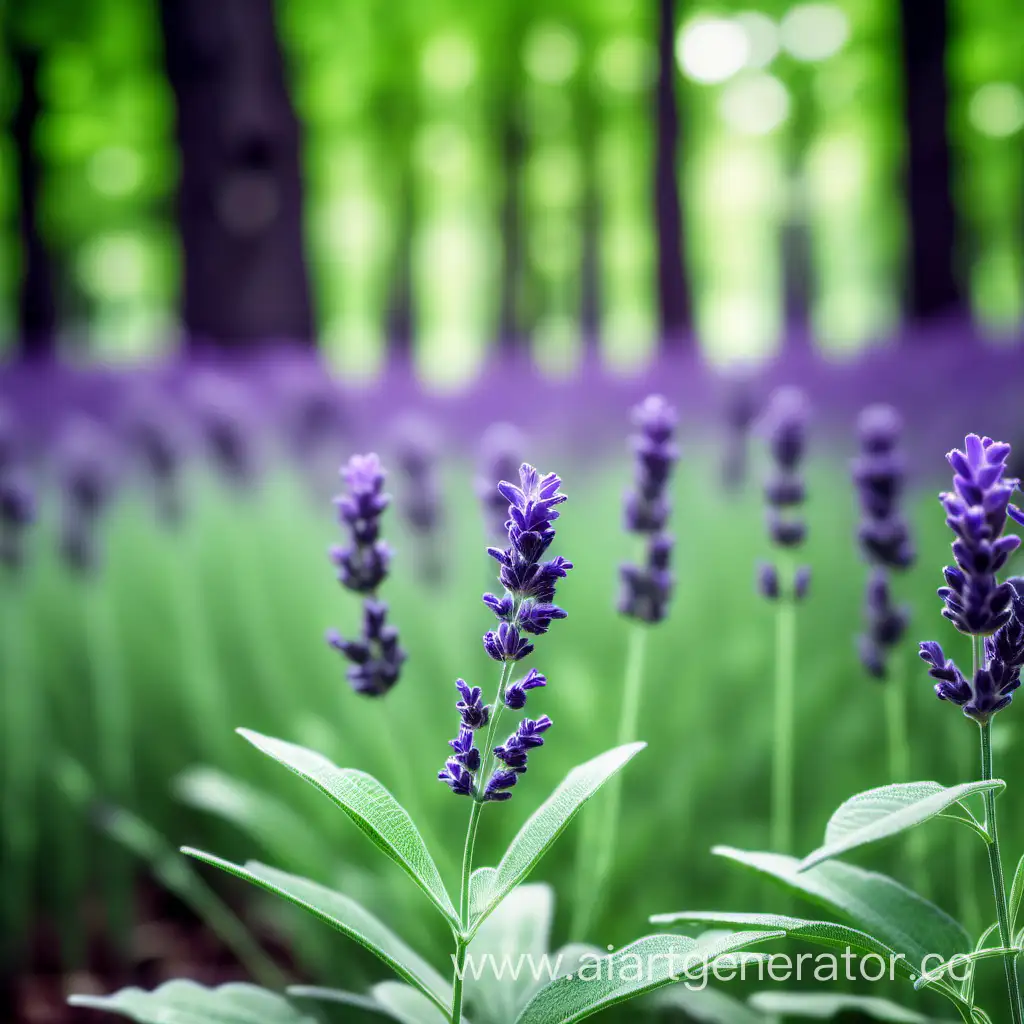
505	644
768	581
475	714
802	582
376	657
647	590
784	424
515	694
17	512
499	783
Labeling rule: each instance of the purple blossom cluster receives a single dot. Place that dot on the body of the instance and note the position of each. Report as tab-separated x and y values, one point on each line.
647	589
974	600
879	474
785	427
375	657
526	607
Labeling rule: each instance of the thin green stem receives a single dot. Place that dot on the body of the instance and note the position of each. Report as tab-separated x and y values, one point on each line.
899	759
593	880
461	939
998	881
785	709
970	901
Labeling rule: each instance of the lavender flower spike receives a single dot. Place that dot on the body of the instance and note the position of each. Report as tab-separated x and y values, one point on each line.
526	606
17	512
974	599
376	657
784	425
879	474
647	589
976	510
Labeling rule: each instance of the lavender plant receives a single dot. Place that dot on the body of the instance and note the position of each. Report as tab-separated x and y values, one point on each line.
644	597
879	474
501	451
785	584
921	942
375	658
417	456
484	772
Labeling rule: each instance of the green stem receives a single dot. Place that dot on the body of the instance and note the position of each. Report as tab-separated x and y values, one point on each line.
899	760
594	881
785	698
998	881
462	938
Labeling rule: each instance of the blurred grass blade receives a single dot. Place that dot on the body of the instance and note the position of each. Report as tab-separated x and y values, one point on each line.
888	810
820	933
375	811
185	1002
663	959
171	869
876	903
825	1006
338	997
548	822
284	834
1016	892
347	916
703	1006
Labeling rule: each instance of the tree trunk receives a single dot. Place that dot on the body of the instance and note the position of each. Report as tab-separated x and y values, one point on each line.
37	311
673	296
240	189
933	286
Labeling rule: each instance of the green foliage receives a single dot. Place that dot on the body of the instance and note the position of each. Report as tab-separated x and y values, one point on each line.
185	1002
377	814
642	966
826	1005
545	825
888	810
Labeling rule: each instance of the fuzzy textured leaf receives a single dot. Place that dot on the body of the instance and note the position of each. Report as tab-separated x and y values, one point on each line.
873	902
825	1006
515	939
374	810
887	810
338	997
658	959
548	822
346	916
1016	892
822	933
185	1002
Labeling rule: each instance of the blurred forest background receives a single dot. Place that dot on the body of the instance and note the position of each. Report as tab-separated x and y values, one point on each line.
463	213
619	175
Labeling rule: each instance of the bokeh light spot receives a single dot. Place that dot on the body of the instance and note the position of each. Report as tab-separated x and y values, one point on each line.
551	54
449	62
711	50
813	32
997	109
754	105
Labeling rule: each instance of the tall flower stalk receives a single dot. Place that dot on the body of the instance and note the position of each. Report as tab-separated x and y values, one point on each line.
991	613
785	584
487	773
375	657
879	473
646	590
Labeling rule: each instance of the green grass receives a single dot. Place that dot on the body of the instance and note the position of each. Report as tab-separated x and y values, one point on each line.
220	624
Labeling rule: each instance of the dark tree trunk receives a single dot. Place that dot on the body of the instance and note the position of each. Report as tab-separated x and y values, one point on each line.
240	191
37	312
401	318
798	267
934	289
673	297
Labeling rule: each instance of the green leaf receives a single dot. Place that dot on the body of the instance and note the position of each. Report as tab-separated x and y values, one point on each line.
876	903
967	989
822	933
407	1005
1016	892
936	973
185	1002
374	810
705	1005
481	891
643	966
346	916
514	939
878	813
823	1006
548	822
